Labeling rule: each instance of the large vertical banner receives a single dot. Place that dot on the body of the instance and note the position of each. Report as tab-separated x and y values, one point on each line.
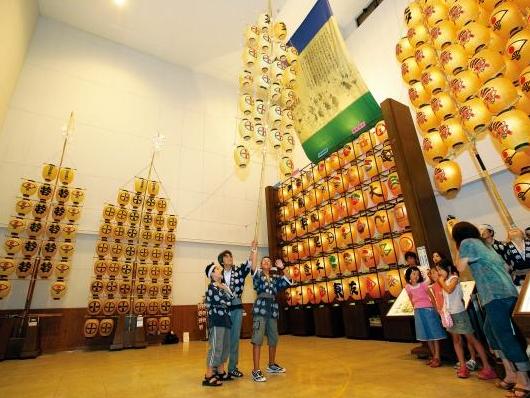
335	105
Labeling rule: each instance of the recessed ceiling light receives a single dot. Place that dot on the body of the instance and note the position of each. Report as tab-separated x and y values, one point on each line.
119	3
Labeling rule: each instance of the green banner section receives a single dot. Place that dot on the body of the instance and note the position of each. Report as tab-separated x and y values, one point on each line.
359	116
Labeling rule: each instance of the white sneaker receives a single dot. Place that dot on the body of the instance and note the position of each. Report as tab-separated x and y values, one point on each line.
472	365
258	376
275	368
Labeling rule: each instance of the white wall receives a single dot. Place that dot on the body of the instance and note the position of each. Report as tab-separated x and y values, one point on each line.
17	22
121	98
372	47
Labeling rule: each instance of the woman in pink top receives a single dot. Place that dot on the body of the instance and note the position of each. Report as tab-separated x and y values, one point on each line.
428	325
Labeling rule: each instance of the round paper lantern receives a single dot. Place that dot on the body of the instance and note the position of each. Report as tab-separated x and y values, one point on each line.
40	210
264	64
524	102
286	166
418	34
171	222
241	156
105	327
58	290
314	221
35	228
53	230
452	133
291	55
66	175
371	166
307	179
498	94
463	11
387	251
17	225
62	269
400	215
28	188
418	95
487	64
384	221
287	142
365	228
77	195
404	49
511	129
13	245
413	14
49	172
24	206
453	59
516	161
524	81
475	115
368	256
410	71
287	119
464	85
249	56
518	48
506	20
90	328
434	148
260	133
339	209
393	184
521	188
405	242
447	177
473	37
355	202
435	11
512	71
246	104
7	266
426	119
443	105
425	56
443	34
377	192
329	243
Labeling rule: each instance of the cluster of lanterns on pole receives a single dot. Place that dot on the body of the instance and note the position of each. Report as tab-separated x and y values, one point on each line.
267	96
466	63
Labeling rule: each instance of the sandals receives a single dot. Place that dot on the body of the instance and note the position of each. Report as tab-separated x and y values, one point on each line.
513	393
224	376
504	385
211	381
435	363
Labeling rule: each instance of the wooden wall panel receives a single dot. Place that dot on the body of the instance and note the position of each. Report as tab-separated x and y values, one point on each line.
66	332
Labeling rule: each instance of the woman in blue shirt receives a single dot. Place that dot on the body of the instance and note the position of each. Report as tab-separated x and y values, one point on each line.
498	296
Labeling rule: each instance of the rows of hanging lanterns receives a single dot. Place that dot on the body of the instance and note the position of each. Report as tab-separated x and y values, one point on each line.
466	64
267	97
343	225
41	233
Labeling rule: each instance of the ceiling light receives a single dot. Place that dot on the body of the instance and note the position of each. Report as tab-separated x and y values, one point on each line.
119	3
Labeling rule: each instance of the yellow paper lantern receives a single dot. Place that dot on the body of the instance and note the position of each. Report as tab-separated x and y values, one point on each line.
426	119
384	221
516	161
287	142
355	202
404	49
418	34
435	11
518	48
434	148
246	129
452	133
246	104
377	192
447	177
49	172
443	34
393	184
425	56
498	94
521	188
279	30
487	64
433	80
463	11
511	129
66	175
413	14
387	251
464	85
401	215
418	95
28	188
58	290
365	227
473	37
453	59
251	36
241	156
371	166
443	105
475	115
286	166
405	242
506	19
410	71
264	22
346	154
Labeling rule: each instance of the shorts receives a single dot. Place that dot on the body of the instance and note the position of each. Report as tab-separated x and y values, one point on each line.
461	324
264	326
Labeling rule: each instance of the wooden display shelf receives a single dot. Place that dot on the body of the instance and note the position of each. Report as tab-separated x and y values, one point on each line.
301	321
328	320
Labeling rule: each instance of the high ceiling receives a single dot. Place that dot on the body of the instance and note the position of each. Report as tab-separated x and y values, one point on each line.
203	35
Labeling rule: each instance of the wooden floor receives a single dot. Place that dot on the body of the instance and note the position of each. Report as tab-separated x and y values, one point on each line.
315	367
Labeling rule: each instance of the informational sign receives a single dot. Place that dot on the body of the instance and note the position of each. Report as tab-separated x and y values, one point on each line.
139	321
335	105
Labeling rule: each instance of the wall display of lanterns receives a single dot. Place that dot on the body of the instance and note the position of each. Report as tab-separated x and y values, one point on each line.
133	261
267	95
347	242
473	76
40	239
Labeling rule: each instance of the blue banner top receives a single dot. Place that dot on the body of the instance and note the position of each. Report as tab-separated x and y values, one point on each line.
317	17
